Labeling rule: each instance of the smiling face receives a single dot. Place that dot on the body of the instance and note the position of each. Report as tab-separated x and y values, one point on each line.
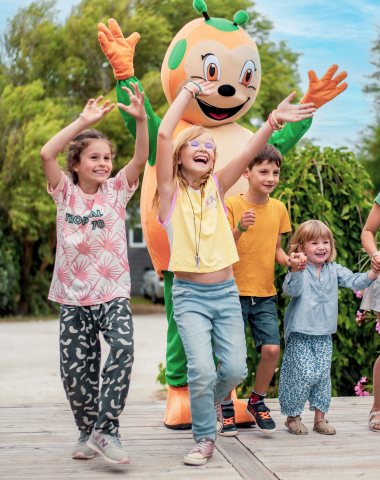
196	161
264	177
95	164
229	59
317	251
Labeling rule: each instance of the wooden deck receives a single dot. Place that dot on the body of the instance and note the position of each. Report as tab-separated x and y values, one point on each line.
36	441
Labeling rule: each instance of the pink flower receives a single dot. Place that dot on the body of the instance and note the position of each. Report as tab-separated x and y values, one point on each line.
359	389
358	316
377	326
358	294
363	380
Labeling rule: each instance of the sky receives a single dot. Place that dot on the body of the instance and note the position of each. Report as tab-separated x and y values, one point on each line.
326	33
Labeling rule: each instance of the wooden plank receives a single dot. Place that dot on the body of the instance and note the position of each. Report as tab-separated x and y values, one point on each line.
244	462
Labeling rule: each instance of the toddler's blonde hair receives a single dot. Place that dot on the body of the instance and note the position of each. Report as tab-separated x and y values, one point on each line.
309	231
179	178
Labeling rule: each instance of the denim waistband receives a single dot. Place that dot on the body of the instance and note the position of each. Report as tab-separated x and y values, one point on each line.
209	287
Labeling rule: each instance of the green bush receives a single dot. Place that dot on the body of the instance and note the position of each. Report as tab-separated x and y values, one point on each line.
9	273
331	186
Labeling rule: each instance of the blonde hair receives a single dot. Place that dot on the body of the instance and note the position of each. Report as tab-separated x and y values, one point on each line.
180	180
310	231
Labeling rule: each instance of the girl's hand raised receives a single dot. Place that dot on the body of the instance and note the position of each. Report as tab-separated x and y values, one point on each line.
93	113
136	109
207	88
286	112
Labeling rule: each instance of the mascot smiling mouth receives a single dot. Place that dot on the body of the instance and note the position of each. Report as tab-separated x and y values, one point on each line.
219	113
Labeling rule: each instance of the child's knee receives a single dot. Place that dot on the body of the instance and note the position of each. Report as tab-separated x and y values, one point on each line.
270	352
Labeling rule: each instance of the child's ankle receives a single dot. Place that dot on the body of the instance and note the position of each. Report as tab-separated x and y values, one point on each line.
256	398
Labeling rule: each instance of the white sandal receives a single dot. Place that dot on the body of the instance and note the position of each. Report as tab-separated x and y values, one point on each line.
372	423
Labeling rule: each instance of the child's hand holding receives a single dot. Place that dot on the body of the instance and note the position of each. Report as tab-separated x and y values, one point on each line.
247	219
303	261
136	109
295	260
92	113
375	262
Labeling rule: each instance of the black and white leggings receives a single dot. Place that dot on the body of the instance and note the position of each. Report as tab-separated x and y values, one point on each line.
80	362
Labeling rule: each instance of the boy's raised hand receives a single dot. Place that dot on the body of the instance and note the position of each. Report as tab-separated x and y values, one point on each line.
247	219
93	113
286	112
136	109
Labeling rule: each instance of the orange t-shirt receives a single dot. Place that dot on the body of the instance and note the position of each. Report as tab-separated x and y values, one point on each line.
254	273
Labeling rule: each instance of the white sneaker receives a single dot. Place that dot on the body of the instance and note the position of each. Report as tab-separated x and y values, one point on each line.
108	446
81	450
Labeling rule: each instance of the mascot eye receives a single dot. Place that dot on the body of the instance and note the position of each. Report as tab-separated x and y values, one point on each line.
247	73
211	68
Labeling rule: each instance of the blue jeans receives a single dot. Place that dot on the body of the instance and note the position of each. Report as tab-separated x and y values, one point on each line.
202	311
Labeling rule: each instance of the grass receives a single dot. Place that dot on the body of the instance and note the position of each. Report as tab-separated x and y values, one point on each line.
136	301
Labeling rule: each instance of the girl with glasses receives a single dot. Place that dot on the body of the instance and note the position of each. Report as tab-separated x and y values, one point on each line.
190	204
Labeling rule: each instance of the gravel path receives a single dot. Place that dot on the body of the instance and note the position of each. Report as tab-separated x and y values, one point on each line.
29	360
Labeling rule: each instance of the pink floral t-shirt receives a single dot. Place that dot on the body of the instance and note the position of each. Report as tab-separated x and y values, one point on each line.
91	263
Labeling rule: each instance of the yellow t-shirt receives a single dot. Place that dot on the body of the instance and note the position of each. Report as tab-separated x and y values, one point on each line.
254	273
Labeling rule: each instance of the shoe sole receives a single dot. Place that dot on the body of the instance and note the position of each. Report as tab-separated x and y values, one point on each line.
232	433
181	426
82	456
195	461
125	461
268	432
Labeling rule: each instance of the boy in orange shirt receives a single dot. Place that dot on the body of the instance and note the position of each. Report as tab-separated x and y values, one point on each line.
258	222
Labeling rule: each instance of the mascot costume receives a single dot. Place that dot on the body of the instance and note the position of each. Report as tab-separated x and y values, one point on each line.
220	51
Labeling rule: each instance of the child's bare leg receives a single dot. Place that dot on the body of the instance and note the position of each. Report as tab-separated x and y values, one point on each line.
318	415
266	367
376	387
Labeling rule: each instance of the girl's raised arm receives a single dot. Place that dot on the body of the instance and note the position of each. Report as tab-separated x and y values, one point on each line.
285	112
164	170
137	110
49	152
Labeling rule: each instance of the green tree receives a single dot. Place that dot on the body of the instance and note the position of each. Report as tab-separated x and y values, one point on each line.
370	147
319	185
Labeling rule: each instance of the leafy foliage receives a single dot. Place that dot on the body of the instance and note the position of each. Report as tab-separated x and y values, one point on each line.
49	70
330	186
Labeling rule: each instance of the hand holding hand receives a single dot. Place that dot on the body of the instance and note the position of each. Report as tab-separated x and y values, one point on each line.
93	113
136	109
375	262
286	112
294	261
303	261
247	219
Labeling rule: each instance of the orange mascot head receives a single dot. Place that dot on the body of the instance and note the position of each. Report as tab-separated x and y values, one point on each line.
220	51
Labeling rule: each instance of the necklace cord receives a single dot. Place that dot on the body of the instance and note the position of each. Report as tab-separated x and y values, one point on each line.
197	247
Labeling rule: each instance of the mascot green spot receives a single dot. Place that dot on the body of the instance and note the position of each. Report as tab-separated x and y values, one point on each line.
177	54
222	24
241	17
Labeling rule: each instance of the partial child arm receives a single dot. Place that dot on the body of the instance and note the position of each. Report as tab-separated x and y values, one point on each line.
355	281
369	236
137	110
293	283
247	219
285	112
91	114
164	172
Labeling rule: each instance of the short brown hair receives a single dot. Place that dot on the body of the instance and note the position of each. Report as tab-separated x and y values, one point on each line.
78	144
309	231
268	153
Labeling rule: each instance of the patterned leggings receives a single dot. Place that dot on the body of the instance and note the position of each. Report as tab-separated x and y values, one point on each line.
80	362
305	374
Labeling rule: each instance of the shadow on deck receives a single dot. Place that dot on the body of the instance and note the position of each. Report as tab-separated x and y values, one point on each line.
36	441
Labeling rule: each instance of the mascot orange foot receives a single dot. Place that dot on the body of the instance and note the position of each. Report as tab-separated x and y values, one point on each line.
178	414
221	51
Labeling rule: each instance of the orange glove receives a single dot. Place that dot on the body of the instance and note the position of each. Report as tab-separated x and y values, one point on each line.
323	90
117	49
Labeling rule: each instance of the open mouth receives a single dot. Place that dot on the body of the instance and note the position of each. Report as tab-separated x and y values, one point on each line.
219	113
202	160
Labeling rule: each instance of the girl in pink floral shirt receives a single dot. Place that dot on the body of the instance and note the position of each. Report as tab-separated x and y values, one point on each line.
91	278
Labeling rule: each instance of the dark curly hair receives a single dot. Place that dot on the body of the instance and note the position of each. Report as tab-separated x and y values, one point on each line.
78	144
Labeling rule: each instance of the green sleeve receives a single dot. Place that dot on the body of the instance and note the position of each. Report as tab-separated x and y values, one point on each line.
130	122
290	135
